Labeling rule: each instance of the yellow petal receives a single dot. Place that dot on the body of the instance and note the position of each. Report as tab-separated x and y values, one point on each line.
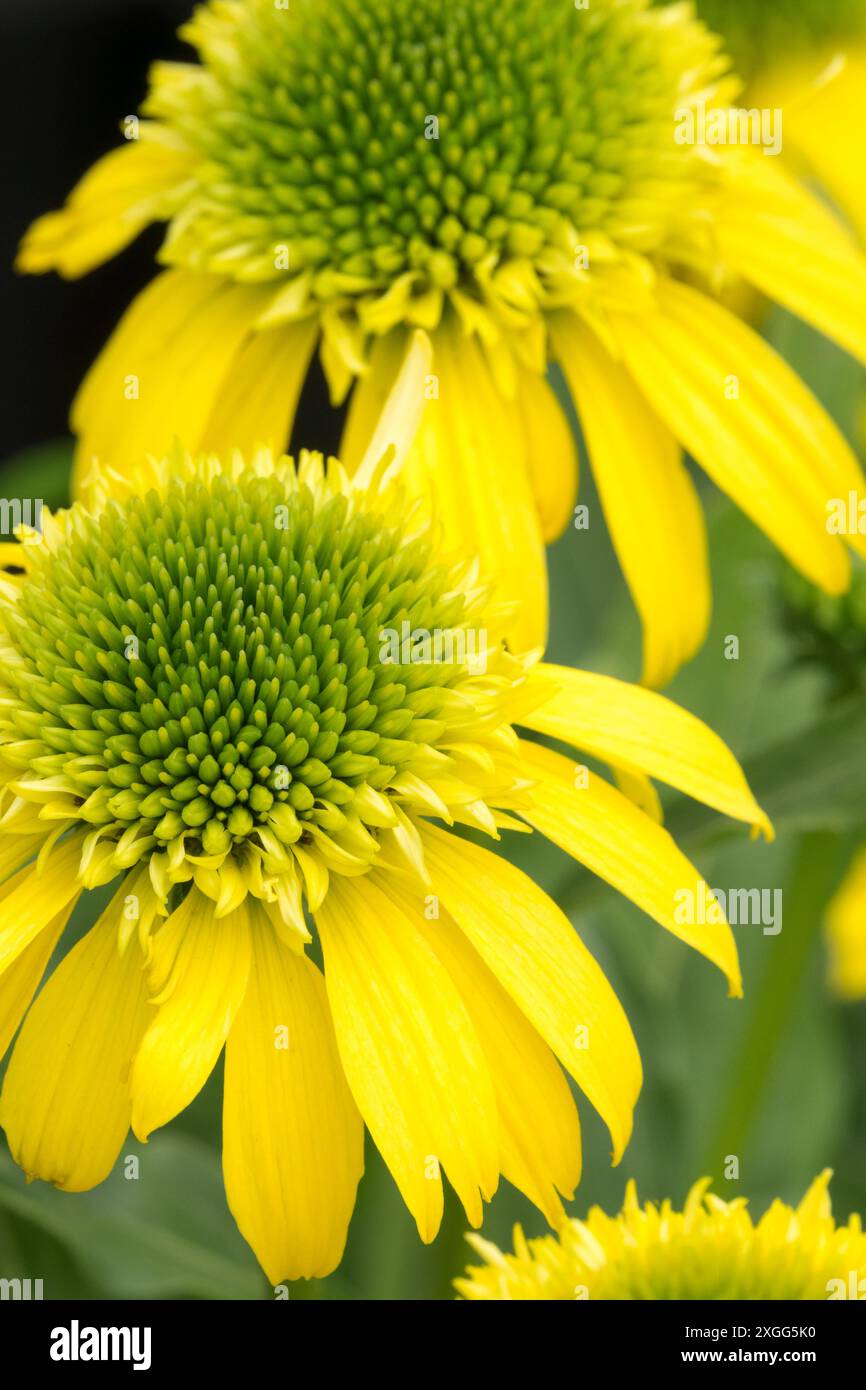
20	981
773	449
123	192
16	850
162	372
293	1141
650	504
537	956
257	403
603	830
409	1051
785	242
34	897
639	789
642	731
822	98
846	933
66	1104
551	453
469	461
370	395
538	1125
197	975
397	425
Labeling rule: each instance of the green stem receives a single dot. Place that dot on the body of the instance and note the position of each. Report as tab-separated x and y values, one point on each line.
818	864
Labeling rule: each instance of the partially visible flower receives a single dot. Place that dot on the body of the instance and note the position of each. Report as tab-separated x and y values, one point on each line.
809	58
710	1250
222	693
508	176
846	933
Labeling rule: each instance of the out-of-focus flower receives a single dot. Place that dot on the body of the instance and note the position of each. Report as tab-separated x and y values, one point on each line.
528	184
809	58
710	1250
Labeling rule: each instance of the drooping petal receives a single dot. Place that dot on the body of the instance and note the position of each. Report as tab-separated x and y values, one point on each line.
66	1104
20	981
396	428
116	199
538	1123
469	460
650	504
822	99
34	897
603	830
257	402
16	850
197	975
161	374
748	420
551	453
789	245
410	1053
293	1141
642	731
537	956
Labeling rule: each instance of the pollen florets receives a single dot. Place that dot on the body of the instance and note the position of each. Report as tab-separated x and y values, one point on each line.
355	145
198	674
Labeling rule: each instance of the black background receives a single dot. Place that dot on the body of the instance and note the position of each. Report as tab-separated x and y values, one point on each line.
70	70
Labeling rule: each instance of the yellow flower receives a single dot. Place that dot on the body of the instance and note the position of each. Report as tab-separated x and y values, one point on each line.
808	57
709	1250
254	699
528	184
846	933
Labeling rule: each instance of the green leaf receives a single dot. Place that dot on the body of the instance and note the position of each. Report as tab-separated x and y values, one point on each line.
42	471
165	1234
810	781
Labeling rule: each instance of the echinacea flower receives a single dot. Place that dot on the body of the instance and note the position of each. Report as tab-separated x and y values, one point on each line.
712	1249
809	58
526	182
222	693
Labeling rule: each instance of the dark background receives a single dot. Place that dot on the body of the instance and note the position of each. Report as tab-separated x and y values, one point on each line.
70	70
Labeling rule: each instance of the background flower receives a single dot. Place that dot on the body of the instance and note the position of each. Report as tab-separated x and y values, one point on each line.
712	1249
550	212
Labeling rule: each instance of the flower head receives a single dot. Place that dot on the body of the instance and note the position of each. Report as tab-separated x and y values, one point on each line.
527	183
253	699
710	1250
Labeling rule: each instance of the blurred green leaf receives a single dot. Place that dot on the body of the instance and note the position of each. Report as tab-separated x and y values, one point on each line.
813	780
43	471
165	1234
